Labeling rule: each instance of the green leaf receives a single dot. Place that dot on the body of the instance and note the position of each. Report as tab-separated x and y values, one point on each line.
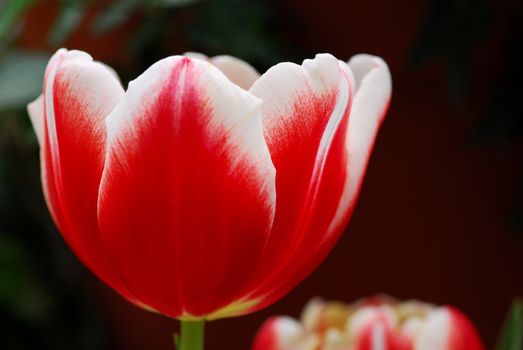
11	267
69	18
175	3
9	14
176	340
512	334
20	288
21	76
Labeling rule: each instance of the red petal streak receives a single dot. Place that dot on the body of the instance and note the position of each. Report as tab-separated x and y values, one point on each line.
366	115
379	334
306	112
78	94
378	337
36	113
187	197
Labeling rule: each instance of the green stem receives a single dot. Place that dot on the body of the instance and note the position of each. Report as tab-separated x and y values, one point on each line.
192	335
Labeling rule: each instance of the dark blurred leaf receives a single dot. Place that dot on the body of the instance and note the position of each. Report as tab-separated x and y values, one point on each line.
451	29
235	27
174	3
512	334
501	123
21	75
11	258
114	15
503	120
70	16
20	288
148	32
9	15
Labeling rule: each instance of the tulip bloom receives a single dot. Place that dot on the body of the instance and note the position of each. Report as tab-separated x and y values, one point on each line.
206	190
378	323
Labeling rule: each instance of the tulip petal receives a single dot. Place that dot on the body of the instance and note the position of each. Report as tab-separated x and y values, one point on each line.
379	336
371	100
36	114
448	329
69	122
238	71
373	90
375	327
277	333
187	196
463	335
305	111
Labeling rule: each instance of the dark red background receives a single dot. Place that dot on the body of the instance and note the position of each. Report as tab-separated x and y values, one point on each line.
431	222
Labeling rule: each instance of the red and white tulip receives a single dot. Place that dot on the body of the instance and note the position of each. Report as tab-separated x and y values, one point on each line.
371	324
205	190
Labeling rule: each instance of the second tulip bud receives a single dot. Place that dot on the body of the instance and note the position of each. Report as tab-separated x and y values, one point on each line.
378	323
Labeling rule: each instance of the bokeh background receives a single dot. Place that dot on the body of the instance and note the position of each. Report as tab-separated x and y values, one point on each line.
440	217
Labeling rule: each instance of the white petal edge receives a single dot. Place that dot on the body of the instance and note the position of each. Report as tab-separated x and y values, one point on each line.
370	104
435	332
35	110
232	107
311	314
287	331
321	74
280	86
238	71
62	55
378	337
280	89
42	110
74	62
370	315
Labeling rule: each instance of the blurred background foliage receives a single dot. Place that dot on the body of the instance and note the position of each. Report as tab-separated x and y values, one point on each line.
511	337
41	303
